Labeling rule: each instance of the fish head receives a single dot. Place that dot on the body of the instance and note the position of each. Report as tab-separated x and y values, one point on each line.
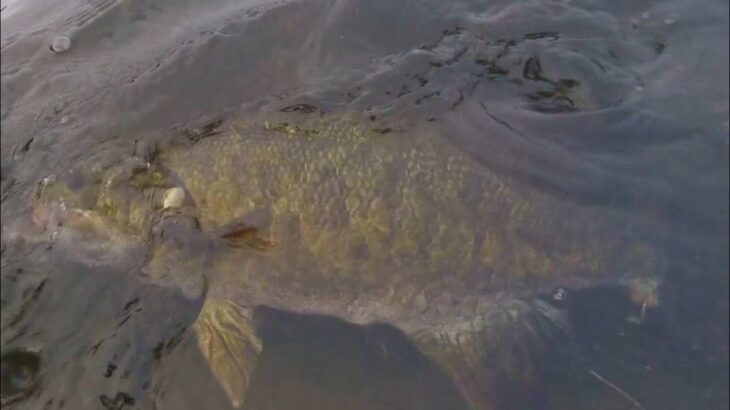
113	215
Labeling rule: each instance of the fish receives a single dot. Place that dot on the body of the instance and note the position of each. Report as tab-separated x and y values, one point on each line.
318	212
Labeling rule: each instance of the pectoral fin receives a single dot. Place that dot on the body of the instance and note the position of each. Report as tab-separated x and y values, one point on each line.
227	339
242	236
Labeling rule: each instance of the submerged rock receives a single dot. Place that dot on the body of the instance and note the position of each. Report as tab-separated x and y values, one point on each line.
18	374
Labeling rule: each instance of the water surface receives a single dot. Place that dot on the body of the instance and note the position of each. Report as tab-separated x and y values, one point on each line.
621	106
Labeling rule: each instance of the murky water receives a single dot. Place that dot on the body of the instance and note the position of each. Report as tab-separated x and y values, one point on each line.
400	167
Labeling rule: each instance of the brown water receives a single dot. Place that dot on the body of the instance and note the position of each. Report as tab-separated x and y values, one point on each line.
615	106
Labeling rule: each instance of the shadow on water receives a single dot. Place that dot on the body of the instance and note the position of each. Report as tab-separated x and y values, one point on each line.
616	357
313	362
326	363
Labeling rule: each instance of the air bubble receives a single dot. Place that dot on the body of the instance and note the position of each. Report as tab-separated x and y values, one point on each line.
60	44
